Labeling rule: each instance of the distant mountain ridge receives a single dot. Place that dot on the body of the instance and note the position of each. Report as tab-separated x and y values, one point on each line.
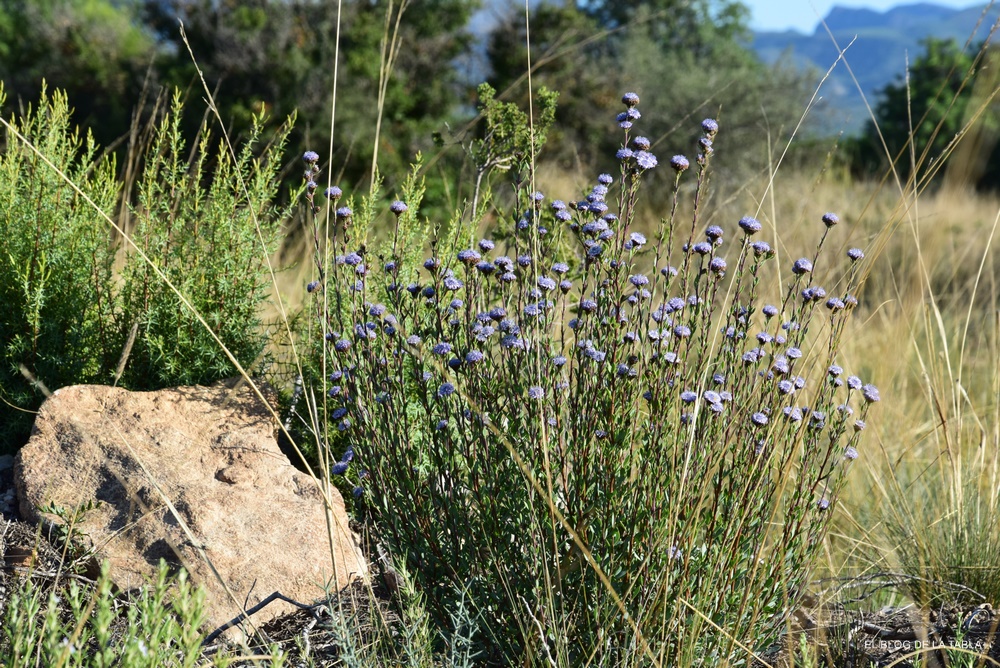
878	55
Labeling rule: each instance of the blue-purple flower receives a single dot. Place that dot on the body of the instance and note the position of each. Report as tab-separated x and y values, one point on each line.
309	157
398	207
645	160
749	225
802	266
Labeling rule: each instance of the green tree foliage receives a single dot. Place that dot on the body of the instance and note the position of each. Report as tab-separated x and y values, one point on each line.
278	57
684	58
929	104
95	50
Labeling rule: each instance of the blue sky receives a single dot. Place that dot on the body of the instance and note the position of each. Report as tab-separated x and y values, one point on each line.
804	15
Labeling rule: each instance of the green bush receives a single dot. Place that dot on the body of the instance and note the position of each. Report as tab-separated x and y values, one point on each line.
78	300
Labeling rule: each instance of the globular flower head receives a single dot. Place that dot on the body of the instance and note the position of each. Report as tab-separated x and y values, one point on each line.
638	280
344	213
759	419
342	345
835	370
830	219
854	382
334	193
486	245
641	143
468	256
310	157
446	390
870	393
713	233
624	154
535	392
398	207
749	225
851	453
717	266
605	179
710	126
679	163
442	348
637	239
793	413
688	397
761	248
855	254
313	285
645	160
630	99
802	266
473	357
769	311
702	248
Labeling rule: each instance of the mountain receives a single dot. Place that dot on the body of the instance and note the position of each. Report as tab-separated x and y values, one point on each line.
882	43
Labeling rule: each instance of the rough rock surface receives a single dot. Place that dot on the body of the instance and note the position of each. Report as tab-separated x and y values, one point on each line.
210	452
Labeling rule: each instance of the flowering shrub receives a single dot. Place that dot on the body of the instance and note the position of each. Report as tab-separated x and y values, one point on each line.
602	439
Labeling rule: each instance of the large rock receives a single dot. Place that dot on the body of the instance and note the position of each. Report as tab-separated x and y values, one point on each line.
212	453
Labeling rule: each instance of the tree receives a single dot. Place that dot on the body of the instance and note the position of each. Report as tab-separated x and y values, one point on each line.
685	59
920	114
266	55
97	51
